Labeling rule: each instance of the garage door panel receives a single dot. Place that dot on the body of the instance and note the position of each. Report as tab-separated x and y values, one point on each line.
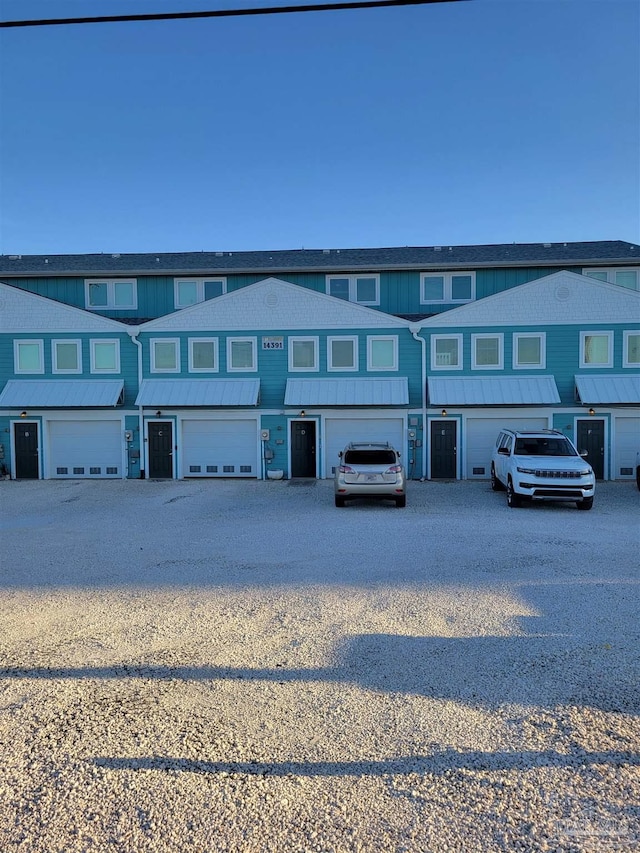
627	444
86	449
481	438
220	448
340	431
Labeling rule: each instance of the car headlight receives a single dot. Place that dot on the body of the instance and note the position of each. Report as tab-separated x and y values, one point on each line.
526	470
586	472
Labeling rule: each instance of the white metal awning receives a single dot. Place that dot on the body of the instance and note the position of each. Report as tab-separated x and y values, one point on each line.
602	390
347	392
493	391
198	392
61	393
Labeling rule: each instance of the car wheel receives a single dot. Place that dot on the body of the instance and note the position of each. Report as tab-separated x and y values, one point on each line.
496	485
513	500
402	501
587	503
339	501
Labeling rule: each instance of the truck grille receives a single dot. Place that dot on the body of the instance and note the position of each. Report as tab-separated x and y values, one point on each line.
558	475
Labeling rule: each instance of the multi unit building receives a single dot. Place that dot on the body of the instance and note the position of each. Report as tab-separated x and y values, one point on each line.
237	364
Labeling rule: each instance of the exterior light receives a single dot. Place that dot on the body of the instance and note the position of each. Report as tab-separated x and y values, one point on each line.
302	413
23	414
592	411
444	413
158	414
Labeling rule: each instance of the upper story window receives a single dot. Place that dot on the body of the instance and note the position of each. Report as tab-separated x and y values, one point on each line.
165	355
447	287
116	293
203	355
189	291
66	356
622	276
105	356
446	352
28	356
241	354
382	352
596	349
303	354
342	353
487	352
631	352
363	289
529	350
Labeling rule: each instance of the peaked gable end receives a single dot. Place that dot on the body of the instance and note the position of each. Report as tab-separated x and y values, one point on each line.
22	311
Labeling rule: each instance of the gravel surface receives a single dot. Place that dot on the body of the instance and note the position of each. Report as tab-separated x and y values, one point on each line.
240	666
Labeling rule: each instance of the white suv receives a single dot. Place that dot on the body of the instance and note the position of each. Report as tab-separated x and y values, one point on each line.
541	465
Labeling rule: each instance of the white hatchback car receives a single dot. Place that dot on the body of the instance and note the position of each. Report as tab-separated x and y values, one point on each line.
543	465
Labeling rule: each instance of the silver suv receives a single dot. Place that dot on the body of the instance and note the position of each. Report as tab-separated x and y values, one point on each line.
370	470
541	465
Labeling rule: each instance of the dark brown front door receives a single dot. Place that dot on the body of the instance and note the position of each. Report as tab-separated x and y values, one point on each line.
590	437
443	450
303	448
160	450
25	443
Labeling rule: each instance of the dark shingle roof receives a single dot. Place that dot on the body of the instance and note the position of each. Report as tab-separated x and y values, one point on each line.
309	260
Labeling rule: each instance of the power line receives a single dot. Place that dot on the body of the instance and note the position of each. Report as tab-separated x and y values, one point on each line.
220	13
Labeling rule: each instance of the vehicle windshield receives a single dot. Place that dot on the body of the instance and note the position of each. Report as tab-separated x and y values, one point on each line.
369	457
544	447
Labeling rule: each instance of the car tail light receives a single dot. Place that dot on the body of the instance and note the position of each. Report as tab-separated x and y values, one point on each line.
346	469
395	469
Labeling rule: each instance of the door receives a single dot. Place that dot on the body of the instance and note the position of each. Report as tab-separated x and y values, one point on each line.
338	432
82	449
160	450
219	448
443	450
303	448
25	445
590	437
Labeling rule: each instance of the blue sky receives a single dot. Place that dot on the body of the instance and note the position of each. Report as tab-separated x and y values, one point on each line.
486	121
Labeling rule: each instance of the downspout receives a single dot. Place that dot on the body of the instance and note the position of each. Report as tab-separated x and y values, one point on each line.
133	333
415	330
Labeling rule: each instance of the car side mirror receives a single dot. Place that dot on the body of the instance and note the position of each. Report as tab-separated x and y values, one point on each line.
340	454
584	453
503	451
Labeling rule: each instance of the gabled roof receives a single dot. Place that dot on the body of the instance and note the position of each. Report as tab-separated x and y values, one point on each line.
273	304
557	299
292	260
22	311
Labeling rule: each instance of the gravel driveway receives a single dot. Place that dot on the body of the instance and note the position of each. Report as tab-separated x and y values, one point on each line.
240	666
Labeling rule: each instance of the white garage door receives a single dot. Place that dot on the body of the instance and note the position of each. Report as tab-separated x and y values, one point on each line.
81	449
220	448
627	444
481	437
340	431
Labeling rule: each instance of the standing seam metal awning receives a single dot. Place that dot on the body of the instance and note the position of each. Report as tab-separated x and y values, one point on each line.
602	390
347	392
61	393
198	392
493	391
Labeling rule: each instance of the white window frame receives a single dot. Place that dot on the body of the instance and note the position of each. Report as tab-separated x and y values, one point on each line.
316	346
152	346
111	283
599	333
434	355
254	350
483	337
54	355
542	336
371	339
625	348
92	346
214	341
356	358
200	288
447	296
16	358
353	286
610	273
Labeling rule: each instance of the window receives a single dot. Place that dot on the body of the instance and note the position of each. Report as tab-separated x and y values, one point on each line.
382	352
118	293
622	276
487	352
203	355
189	291
631	355
529	351
105	356
447	287
364	289
342	353
241	354
165	355
28	356
446	352
66	356
596	349
303	353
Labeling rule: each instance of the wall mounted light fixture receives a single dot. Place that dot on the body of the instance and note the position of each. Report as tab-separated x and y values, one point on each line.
23	414
158	414
444	413
302	413
592	411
